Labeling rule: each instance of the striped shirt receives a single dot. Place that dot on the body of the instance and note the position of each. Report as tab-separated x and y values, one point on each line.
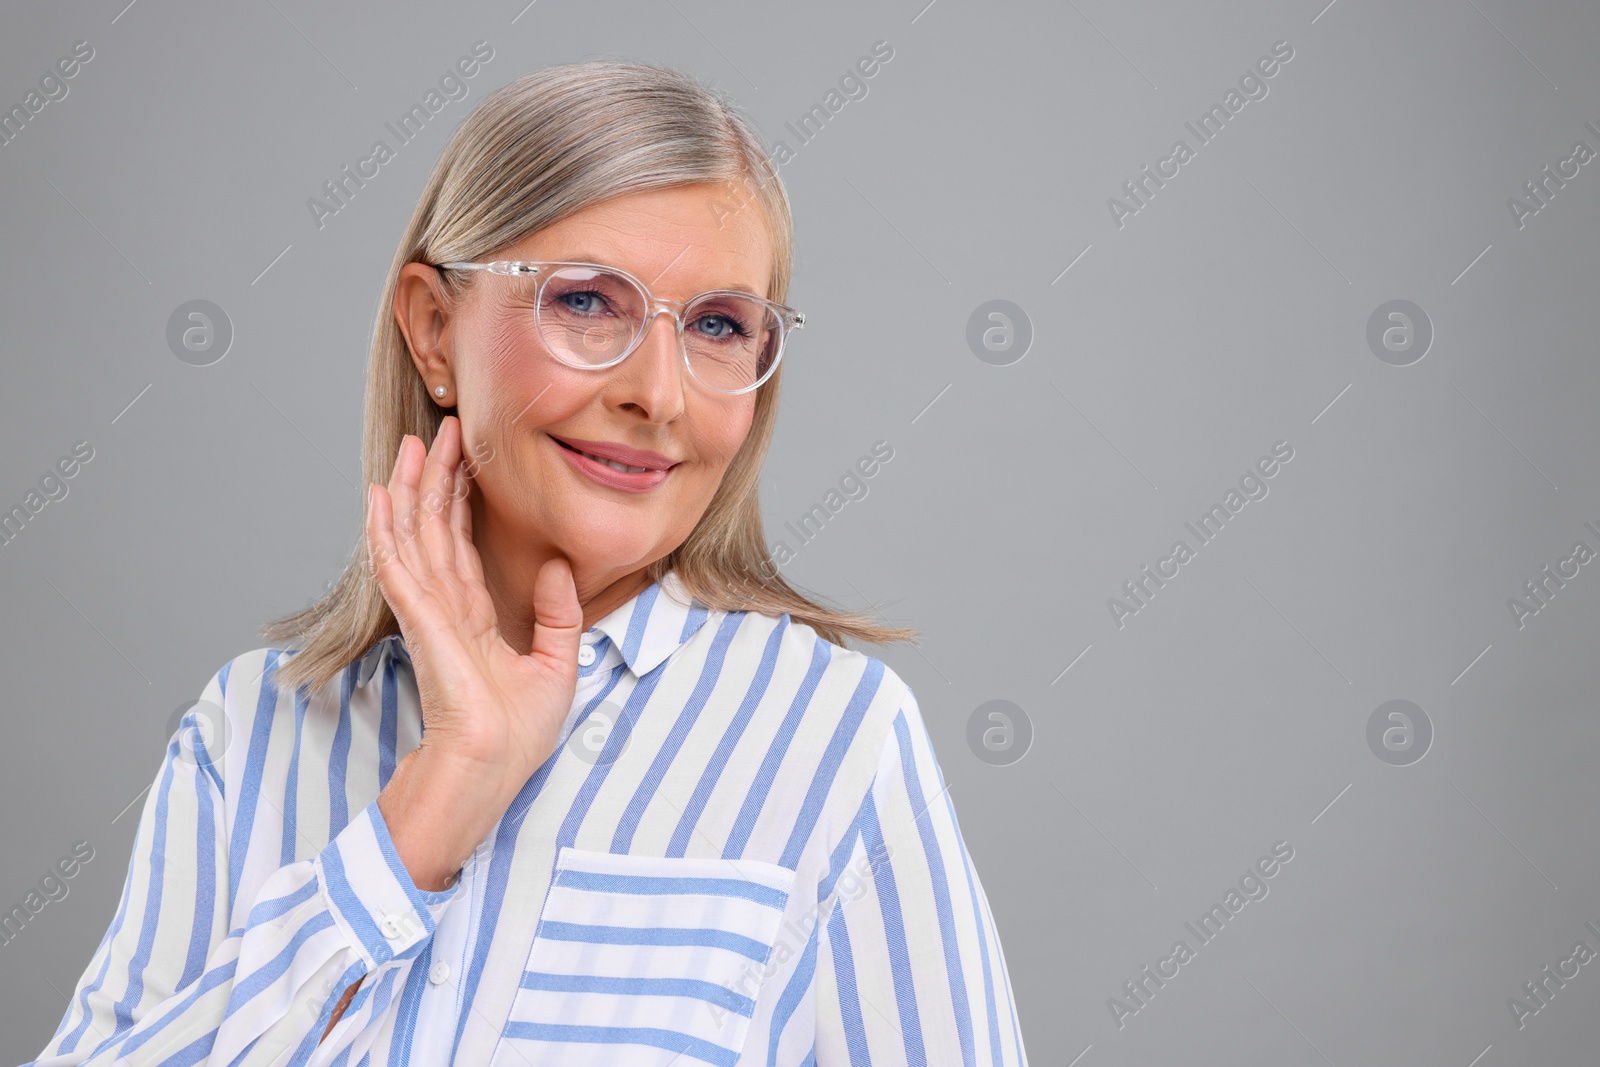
742	851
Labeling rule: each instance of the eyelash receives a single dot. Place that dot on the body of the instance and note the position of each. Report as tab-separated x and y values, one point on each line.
739	329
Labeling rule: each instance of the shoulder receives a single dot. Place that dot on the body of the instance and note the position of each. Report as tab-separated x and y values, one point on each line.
796	643
242	684
246	699
849	690
256	677
245	678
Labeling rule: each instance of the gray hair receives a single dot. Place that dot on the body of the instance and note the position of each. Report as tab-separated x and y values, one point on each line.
533	152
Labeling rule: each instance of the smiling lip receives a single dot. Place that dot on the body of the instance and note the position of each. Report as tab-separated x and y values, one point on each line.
632	457
658	467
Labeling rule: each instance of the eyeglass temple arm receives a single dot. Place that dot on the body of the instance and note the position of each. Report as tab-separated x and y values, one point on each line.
518	266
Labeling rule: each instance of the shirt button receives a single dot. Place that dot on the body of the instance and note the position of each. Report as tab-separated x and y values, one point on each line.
389	926
438	973
586	655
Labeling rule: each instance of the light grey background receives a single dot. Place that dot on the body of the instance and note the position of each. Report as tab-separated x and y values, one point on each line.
1228	314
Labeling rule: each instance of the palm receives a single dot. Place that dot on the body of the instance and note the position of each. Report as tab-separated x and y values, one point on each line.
482	699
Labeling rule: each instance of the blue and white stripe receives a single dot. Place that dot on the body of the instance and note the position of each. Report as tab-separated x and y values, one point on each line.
742	852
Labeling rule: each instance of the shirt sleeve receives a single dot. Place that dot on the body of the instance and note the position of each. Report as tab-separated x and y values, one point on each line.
909	966
171	984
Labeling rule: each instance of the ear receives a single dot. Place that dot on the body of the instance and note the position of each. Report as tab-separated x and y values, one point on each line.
423	314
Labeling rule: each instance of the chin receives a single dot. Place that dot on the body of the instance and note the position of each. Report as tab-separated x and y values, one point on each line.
603	547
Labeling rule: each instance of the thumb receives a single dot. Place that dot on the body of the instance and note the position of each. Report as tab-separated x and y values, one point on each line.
558	617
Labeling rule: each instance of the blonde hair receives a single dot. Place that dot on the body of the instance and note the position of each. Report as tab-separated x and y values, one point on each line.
531	153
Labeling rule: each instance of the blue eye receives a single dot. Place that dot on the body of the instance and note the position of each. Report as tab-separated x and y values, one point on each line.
722	327
583	302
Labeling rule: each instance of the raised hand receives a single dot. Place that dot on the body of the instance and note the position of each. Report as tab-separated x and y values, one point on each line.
491	713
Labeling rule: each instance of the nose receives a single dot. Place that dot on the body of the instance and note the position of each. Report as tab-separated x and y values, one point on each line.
652	375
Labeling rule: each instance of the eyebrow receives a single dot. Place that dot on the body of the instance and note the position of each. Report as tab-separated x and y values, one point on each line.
586	257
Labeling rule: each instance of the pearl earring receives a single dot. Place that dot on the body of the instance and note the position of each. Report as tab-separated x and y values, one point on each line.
439	392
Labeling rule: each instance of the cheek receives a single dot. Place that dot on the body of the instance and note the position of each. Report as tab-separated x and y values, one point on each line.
722	433
509	401
501	357
513	391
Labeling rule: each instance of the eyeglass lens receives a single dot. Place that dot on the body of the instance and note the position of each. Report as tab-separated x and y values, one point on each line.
589	317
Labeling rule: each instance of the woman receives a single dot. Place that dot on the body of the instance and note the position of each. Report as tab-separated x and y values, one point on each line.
562	771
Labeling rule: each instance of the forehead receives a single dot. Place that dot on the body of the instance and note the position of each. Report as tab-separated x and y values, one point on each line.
679	240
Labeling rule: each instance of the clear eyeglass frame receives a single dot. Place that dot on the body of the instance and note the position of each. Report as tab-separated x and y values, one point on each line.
788	318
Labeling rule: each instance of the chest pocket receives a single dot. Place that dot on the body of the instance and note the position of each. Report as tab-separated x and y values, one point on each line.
647	960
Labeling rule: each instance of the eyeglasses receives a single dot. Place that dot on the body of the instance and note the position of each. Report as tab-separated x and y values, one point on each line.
593	316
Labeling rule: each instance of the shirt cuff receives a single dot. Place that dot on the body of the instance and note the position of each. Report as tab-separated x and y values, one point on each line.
372	896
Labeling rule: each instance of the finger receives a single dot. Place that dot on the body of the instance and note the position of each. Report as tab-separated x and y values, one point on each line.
558	617
399	588
468	565
434	501
403	505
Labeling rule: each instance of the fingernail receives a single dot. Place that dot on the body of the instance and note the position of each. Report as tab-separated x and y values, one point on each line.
402	449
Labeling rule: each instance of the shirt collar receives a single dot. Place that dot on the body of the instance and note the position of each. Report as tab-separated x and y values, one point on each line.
654	624
646	630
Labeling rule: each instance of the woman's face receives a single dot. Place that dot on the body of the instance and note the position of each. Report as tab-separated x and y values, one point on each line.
517	402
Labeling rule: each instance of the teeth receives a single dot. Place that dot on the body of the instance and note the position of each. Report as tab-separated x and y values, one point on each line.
613	464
